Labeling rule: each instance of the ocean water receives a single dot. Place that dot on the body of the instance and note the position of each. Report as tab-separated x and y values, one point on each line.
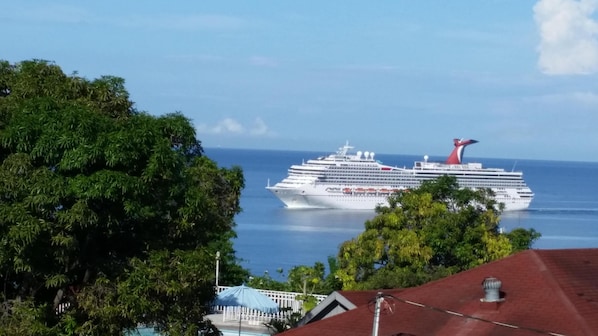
272	238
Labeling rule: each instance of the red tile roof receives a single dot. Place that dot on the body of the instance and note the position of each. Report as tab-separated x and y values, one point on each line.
544	291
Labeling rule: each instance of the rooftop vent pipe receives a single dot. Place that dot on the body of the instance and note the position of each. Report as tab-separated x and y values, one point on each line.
491	287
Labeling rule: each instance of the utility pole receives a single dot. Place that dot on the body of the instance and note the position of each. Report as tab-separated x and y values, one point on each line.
379	299
217	267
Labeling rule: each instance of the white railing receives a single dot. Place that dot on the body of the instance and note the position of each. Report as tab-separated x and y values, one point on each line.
286	301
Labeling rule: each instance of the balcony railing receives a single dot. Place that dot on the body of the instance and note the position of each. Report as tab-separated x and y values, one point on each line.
286	301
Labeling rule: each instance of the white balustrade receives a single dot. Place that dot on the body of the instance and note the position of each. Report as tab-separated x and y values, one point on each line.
286	301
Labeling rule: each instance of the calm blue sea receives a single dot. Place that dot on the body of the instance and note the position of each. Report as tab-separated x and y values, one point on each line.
271	237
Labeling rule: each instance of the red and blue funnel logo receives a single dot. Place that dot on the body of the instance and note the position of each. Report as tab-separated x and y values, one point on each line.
457	154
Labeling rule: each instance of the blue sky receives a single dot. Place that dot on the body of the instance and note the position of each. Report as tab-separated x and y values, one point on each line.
394	77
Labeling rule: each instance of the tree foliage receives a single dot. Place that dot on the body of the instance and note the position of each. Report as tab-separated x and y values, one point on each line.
430	232
303	279
306	280
109	217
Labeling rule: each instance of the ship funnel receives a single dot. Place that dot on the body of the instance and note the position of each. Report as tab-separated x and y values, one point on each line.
456	156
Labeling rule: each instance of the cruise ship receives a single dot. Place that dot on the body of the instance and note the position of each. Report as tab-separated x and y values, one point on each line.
345	180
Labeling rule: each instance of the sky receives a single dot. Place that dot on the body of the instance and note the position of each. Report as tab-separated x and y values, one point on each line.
392	77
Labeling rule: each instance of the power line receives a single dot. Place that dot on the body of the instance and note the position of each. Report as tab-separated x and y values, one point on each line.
454	313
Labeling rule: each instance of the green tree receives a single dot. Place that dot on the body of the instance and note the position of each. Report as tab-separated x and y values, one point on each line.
331	281
266	281
277	325
307	280
304	279
109	217
522	239
427	233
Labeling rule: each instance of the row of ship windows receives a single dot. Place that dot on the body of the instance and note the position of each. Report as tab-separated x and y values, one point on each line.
383	180
415	183
382	173
416	178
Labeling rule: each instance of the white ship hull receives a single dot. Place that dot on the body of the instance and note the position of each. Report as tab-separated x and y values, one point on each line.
344	181
311	197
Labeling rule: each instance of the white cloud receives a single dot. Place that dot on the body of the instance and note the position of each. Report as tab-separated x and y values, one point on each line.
50	13
568	36
202	58
231	126
370	67
588	99
259	127
190	22
56	13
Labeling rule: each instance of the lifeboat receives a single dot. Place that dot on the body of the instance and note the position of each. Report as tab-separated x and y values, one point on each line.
384	191
347	190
